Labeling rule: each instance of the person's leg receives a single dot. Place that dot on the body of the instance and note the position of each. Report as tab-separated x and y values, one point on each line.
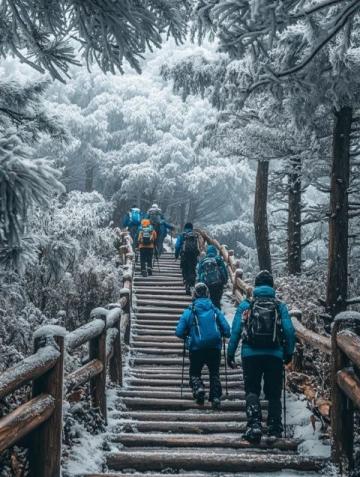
213	359
143	262
192	272
149	260
216	294
185	267
273	379
195	381
252	369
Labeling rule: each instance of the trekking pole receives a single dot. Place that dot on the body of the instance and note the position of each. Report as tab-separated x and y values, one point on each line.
182	372
284	399
226	377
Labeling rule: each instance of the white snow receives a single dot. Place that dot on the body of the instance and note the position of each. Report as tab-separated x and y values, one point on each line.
49	330
84	333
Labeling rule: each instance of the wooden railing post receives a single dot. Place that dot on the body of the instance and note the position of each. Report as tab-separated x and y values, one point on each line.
97	350
342	418
115	363
45	451
125	292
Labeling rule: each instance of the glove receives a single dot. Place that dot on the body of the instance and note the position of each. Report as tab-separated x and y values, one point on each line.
231	362
287	358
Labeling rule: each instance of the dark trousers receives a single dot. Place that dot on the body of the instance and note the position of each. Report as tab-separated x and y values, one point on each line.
270	370
146	257
188	269
216	292
198	359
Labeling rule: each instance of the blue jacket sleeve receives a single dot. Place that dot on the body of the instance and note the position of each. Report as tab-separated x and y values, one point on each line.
182	329
223	324
288	330
126	221
236	329
178	245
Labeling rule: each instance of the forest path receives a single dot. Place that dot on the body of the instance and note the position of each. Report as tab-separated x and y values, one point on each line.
158	431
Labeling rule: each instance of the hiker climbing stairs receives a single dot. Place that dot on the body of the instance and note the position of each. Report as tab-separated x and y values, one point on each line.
160	431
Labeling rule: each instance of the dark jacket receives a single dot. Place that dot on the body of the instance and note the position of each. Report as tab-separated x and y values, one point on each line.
180	241
186	327
212	252
248	350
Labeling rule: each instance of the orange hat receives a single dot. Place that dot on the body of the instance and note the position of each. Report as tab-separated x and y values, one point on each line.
145	222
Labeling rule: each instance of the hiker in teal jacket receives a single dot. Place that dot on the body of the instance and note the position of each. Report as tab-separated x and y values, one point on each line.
262	362
212	271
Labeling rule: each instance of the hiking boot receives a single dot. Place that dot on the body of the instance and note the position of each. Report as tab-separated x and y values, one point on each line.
149	272
216	404
143	273
253	433
275	429
187	290
200	395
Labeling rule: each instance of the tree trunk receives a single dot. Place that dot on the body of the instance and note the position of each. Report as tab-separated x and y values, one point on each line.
89	177
294	218
337	281
260	216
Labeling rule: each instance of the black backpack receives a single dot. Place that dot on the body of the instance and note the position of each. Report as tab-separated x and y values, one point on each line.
263	323
210	272
190	247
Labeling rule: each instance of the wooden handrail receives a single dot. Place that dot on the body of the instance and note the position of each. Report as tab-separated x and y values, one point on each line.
42	415
345	387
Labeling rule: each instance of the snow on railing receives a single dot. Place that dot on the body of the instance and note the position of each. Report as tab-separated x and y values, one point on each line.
42	416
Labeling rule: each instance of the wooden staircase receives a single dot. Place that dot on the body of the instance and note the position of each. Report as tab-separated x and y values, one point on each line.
158	431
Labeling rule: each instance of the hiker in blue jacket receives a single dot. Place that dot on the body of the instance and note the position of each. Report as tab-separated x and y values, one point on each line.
132	221
203	326
212	271
268	342
187	248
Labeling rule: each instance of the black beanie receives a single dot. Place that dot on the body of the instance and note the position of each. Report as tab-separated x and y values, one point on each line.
264	278
200	291
188	226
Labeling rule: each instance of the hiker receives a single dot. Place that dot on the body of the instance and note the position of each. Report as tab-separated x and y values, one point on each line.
154	215
212	271
163	231
132	221
187	248
146	240
203	326
268	341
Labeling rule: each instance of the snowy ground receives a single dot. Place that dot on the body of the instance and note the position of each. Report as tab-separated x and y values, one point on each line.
88	454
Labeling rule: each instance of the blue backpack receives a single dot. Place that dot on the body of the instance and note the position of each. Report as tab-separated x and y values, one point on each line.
135	216
207	334
211	274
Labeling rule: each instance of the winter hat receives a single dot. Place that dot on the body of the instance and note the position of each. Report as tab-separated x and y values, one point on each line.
188	226
145	222
200	290
155	206
264	278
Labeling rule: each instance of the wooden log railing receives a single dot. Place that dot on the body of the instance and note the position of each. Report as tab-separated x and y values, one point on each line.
345	387
343	349
41	418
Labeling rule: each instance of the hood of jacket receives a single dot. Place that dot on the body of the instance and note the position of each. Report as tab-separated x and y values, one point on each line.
211	251
264	290
203	304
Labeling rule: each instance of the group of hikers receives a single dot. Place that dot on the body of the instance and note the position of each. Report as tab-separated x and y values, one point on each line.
262	323
148	231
